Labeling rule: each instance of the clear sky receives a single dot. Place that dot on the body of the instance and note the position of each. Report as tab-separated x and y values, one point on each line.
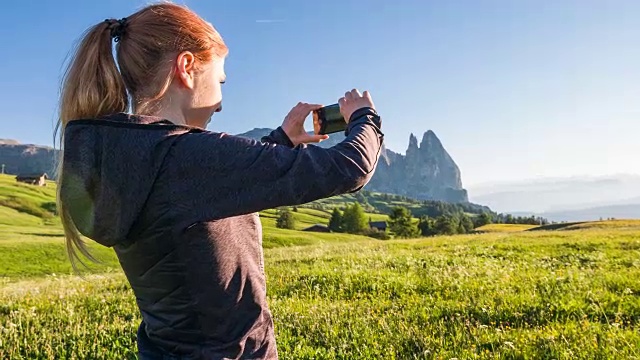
514	89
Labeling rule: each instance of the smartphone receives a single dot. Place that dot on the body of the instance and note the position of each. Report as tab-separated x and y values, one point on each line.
328	120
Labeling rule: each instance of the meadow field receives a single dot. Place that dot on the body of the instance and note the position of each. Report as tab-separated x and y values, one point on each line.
570	293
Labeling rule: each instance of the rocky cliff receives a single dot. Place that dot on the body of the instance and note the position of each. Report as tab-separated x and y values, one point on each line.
426	172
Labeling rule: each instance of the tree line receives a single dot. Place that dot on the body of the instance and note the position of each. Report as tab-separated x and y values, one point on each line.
402	223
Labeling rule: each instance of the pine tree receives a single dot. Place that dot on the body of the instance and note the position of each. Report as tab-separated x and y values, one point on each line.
483	219
335	223
466	224
427	226
401	223
446	225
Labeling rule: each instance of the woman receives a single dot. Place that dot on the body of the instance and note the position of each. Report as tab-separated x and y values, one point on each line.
179	203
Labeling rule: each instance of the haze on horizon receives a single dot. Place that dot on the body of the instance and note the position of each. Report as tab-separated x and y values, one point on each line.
514	90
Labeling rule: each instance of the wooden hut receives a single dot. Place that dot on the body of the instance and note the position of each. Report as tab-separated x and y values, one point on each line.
39	179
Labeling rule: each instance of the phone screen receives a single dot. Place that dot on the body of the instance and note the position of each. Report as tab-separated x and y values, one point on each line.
331	120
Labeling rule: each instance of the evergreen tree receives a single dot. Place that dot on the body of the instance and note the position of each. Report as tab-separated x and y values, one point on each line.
354	219
285	219
466	224
446	225
427	226
483	219
401	223
335	223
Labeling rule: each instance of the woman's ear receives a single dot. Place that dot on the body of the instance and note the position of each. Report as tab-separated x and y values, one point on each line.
185	65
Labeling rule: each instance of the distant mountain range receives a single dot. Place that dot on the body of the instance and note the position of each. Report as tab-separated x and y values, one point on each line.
565	199
19	158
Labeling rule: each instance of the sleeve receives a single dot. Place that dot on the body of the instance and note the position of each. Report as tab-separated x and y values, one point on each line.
279	137
237	175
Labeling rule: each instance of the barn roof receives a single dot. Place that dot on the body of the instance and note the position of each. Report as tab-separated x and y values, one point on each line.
33	175
316	226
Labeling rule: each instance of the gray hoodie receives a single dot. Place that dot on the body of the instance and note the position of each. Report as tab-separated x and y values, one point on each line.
179	206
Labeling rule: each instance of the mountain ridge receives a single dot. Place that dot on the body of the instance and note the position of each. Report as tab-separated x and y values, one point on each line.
425	172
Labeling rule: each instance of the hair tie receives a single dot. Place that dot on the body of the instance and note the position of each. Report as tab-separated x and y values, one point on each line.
117	28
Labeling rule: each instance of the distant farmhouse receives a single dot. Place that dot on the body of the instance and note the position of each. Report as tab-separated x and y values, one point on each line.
318	228
39	179
379	225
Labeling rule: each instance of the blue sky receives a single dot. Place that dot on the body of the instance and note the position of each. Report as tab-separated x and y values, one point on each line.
514	89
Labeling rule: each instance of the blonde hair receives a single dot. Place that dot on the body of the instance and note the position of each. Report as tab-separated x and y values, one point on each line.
148	42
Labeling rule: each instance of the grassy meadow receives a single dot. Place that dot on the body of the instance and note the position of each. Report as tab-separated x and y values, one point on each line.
501	228
566	293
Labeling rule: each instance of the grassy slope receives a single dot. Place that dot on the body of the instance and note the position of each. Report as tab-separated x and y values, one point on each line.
631	224
33	196
587	225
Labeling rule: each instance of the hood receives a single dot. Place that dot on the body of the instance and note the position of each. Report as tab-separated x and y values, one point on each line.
108	171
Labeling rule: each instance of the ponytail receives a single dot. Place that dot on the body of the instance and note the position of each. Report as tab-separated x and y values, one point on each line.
92	87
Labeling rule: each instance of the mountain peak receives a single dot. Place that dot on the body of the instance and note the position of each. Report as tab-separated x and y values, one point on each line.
428	174
413	142
430	141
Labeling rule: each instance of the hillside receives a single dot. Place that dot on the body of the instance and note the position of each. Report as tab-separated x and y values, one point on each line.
504	228
630	224
22	204
26	158
618	225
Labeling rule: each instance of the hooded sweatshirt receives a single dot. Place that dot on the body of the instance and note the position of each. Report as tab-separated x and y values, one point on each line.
179	206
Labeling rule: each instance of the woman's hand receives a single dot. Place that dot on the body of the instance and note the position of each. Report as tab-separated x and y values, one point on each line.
293	124
353	101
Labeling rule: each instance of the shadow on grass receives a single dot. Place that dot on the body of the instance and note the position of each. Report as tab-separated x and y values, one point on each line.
42	234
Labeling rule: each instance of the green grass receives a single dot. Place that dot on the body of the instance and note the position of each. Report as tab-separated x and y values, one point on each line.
496	228
629	224
604	225
571	294
531	295
26	204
